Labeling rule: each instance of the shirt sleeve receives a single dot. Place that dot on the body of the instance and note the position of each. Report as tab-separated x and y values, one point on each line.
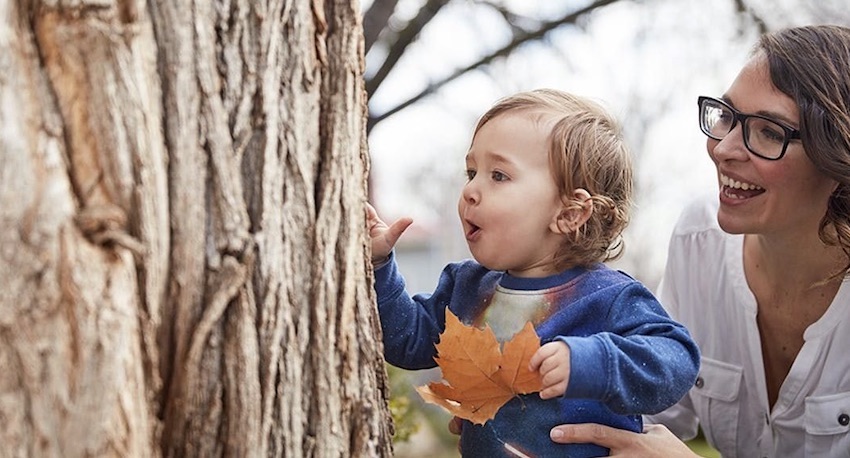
681	418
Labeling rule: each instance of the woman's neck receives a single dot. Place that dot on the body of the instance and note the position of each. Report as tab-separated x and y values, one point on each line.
799	263
794	282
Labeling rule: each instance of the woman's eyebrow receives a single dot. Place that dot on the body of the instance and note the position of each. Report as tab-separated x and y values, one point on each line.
766	113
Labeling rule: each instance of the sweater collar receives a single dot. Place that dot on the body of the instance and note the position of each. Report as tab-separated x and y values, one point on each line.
530	284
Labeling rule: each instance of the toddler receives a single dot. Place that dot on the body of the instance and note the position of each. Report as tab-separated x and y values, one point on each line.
548	191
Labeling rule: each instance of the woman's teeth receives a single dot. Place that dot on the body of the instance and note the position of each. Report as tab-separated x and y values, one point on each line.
726	181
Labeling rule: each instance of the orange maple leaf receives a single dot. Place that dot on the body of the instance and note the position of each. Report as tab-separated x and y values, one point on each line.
481	377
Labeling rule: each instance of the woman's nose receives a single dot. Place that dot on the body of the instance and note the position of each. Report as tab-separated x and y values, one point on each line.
732	146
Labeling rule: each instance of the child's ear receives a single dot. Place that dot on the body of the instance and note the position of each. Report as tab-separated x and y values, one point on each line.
575	214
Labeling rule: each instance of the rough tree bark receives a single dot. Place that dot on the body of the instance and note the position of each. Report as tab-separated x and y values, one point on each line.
183	266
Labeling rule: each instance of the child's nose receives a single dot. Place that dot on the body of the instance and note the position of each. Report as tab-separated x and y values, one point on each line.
470	193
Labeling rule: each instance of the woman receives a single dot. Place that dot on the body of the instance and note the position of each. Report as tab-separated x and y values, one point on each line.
758	274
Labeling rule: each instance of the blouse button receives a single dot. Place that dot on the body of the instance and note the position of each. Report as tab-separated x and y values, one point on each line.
700	383
844	419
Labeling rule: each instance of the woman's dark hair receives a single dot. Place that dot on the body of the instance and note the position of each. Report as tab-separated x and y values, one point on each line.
811	65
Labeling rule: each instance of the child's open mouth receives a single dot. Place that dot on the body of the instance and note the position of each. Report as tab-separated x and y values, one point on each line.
472	232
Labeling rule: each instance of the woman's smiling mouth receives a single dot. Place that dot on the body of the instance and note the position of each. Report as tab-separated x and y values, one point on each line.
735	189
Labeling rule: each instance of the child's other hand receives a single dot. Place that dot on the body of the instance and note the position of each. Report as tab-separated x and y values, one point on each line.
383	237
456	427
552	360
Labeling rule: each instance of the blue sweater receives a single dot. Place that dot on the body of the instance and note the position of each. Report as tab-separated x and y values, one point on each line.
627	356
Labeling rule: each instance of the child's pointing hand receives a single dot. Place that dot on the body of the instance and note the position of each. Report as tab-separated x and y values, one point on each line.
383	237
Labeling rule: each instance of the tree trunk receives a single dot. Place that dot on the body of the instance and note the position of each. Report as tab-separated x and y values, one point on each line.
183	256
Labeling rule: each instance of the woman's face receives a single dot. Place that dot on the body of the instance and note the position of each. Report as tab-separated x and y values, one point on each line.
787	197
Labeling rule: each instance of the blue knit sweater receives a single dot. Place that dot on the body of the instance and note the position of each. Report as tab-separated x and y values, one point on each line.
627	356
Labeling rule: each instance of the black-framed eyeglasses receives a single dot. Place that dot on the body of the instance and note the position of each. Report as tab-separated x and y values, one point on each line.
766	138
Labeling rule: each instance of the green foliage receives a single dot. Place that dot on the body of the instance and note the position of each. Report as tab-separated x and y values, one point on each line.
402	410
700	446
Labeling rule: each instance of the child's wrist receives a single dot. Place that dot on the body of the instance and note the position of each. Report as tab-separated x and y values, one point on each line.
381	261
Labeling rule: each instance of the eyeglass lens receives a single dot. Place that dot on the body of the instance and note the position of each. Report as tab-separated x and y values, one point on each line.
762	136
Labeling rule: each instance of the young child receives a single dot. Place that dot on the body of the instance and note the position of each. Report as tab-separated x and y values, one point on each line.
547	198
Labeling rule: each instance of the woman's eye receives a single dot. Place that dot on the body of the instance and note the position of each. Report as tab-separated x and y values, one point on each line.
764	130
773	135
470	174
499	176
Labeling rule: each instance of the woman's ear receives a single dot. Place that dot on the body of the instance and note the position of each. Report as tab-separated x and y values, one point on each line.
573	216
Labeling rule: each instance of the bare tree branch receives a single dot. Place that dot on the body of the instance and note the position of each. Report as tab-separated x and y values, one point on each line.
746	10
512	19
402	40
519	39
375	20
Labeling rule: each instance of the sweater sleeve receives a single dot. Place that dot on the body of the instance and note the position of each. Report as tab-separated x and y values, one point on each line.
679	276
643	364
412	324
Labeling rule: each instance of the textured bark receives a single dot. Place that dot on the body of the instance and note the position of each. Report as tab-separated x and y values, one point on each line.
183	265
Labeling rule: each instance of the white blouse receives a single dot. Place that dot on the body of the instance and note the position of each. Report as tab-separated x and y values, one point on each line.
704	288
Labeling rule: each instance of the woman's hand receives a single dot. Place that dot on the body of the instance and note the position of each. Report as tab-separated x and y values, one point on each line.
656	441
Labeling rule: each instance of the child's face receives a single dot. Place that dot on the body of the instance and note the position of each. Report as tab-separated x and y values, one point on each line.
510	204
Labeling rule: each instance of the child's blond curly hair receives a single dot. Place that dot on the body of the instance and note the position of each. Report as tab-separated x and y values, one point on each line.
586	150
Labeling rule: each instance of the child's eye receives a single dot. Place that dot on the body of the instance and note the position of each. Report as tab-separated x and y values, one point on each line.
499	176
470	174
